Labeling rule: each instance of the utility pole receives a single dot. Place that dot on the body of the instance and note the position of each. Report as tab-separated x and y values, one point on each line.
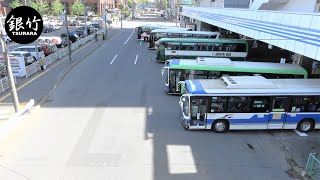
67	27
177	15
121	16
8	68
105	17
85	17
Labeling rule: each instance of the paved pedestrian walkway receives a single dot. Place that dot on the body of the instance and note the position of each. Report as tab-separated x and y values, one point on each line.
39	84
7	110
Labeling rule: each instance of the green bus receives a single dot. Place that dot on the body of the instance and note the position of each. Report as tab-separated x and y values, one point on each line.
176	71
189	48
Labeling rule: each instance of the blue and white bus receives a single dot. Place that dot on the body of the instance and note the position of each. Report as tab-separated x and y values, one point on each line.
251	102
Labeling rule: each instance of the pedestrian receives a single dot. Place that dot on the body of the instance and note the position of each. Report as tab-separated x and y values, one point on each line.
96	36
41	64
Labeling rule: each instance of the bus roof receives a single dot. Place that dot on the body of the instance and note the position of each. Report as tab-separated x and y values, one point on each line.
151	25
226	64
192	40
253	85
183	30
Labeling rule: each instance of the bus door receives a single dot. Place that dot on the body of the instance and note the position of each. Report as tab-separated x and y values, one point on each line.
161	53
175	76
199	112
277	115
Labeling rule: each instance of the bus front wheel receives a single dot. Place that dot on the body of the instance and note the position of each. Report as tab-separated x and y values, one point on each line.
220	126
306	125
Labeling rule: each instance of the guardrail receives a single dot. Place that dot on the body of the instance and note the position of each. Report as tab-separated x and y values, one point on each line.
4	83
35	67
313	166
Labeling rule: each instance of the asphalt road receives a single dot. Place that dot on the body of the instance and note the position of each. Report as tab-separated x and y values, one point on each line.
109	118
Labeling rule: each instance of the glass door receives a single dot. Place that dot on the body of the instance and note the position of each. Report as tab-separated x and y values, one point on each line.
278	113
199	110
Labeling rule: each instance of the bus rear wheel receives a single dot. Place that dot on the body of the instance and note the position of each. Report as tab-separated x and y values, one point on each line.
306	125
220	126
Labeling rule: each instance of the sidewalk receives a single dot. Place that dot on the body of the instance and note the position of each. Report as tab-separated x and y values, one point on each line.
39	85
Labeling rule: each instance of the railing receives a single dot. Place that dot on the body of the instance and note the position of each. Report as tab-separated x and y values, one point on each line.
4	83
313	166
34	67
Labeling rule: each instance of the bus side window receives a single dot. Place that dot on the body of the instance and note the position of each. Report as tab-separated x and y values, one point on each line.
279	104
239	104
312	105
260	104
297	104
218	104
241	48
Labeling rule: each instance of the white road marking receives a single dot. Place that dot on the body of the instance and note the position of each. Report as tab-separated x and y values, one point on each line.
135	62
140	42
114	58
300	133
128	38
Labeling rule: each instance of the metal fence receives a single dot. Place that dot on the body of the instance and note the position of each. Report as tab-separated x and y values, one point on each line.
4	83
34	67
313	166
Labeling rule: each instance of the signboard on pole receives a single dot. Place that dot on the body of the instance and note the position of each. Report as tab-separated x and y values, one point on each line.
17	64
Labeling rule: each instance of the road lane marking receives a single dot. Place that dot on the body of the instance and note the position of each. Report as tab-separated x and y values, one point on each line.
128	38
135	62
300	133
43	73
114	58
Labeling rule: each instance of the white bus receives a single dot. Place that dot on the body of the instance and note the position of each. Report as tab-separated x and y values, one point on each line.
157	34
179	70
251	102
143	32
189	48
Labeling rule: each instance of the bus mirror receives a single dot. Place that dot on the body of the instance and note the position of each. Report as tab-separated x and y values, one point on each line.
183	99
162	71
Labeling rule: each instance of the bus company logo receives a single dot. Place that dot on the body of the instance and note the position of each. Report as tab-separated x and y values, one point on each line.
227	116
23	25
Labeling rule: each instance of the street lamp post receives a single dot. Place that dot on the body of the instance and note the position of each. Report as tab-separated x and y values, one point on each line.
121	17
67	28
85	17
105	17
9	70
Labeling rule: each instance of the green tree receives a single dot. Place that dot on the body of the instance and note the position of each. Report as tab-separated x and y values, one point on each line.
77	8
15	3
131	3
57	7
162	4
41	6
144	2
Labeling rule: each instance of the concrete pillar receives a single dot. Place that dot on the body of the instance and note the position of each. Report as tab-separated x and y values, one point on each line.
296	58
